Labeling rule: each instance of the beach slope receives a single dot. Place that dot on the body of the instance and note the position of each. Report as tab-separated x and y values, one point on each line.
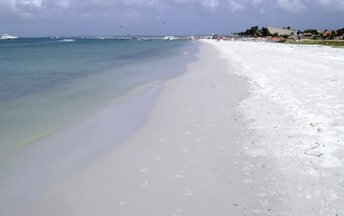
183	161
295	111
249	129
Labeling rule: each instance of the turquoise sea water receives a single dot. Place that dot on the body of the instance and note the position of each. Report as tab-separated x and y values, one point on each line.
47	84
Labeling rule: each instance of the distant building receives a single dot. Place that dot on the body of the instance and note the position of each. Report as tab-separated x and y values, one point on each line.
215	36
307	35
327	34
277	39
280	31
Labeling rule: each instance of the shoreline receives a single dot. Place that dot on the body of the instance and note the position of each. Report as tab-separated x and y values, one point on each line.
249	129
28	119
32	170
177	160
53	158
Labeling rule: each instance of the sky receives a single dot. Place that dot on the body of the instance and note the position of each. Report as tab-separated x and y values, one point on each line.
163	17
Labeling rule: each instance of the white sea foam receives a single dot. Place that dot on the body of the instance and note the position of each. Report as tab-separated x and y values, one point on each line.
67	40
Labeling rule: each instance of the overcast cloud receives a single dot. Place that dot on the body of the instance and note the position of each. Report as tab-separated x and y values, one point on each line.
119	17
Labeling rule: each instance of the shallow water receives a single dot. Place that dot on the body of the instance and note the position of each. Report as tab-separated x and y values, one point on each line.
47	84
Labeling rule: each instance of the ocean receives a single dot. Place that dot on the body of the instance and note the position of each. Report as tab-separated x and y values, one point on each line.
48	84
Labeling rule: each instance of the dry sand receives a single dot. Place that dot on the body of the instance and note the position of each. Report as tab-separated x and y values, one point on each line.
295	110
250	129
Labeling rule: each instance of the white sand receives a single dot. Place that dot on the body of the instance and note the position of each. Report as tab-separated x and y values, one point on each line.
206	151
184	161
296	110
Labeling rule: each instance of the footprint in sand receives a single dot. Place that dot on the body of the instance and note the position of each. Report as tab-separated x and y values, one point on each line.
156	157
261	194
144	170
162	140
145	183
245	169
193	161
147	150
179	210
187	133
197	139
185	149
257	211
187	192
264	202
180	175
248	181
123	202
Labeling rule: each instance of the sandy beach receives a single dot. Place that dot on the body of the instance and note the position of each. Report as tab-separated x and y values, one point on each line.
249	129
184	161
295	111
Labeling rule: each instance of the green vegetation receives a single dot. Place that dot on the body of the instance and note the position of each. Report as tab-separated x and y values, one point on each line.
333	43
340	32
312	31
265	32
253	32
334	38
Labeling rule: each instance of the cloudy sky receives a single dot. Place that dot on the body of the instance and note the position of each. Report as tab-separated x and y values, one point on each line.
151	17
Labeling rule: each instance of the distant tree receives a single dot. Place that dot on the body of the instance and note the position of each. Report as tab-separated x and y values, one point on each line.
265	32
253	32
312	31
288	27
325	34
333	35
340	32
257	32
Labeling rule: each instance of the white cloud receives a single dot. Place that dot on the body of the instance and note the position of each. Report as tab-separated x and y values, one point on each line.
254	2
211	5
336	5
29	3
182	2
36	7
234	6
64	4
139	3
291	6
324	2
5	5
